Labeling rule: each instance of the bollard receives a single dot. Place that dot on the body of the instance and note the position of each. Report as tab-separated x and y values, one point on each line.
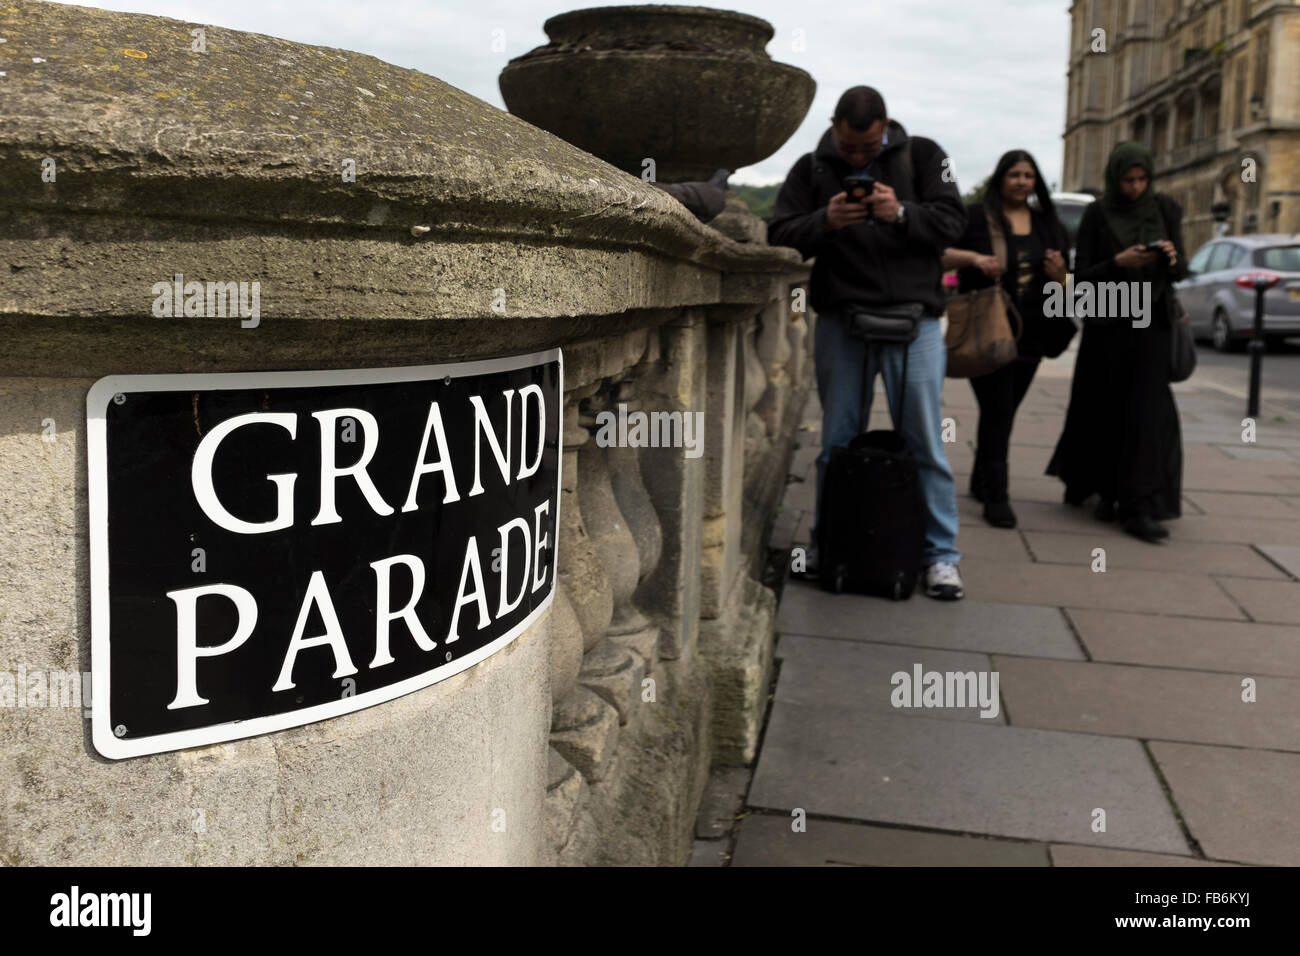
1261	282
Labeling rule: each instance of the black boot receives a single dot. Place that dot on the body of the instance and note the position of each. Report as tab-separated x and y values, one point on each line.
1146	528
997	507
977	483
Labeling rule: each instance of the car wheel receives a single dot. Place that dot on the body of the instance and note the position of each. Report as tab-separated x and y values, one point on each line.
1221	333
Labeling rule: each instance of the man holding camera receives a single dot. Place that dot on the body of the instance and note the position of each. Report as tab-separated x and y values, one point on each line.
878	249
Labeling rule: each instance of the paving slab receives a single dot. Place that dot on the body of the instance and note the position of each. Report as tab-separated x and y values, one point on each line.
1206	557
1096	856
981	540
722	800
800	495
969	625
1036	434
1245	505
766	840
1255	453
859	676
1239	529
803	533
805	457
1269	431
1020	488
1275	602
962	776
708	853
1232	647
1041	516
1240	805
783	528
1197	453
1118	589
1285	556
1030	460
1036	414
1233	476
1150	703
1225	432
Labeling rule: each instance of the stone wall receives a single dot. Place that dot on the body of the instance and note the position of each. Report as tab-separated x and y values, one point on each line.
465	234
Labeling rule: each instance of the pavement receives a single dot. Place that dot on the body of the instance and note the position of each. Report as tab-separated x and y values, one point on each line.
1148	697
1280	376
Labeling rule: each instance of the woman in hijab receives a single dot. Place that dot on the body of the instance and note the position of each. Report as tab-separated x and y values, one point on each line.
1121	439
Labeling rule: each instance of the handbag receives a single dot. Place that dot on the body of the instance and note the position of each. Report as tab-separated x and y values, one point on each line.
980	337
1182	356
890	324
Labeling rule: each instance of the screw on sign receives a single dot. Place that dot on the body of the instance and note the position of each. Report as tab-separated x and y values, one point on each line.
332	559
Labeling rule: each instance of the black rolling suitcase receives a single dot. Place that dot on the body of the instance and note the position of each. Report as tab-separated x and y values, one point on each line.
871	534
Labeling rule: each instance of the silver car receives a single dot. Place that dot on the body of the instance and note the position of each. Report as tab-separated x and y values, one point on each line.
1223	311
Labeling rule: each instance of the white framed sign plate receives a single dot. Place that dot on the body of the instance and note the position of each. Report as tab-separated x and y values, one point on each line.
272	549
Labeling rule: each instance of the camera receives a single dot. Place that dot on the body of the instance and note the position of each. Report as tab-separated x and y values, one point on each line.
859	187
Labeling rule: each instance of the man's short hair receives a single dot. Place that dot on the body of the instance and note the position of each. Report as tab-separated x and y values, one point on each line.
861	106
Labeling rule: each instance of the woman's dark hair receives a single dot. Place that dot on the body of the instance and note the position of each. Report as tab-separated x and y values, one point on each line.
993	195
861	106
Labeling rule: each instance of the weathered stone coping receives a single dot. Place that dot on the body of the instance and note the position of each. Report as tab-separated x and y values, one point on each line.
174	160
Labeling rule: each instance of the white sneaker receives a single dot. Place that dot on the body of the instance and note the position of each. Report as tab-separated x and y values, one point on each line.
943	582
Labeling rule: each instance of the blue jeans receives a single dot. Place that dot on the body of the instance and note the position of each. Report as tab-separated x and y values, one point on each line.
839	360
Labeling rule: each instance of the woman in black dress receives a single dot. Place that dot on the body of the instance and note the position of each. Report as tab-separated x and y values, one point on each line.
1121	439
1037	247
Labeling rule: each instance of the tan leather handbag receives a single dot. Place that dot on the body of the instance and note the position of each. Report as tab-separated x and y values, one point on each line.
981	337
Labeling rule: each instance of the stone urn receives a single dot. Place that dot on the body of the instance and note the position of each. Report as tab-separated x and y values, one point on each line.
690	88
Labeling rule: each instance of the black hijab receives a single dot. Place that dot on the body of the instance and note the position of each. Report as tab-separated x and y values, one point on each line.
1138	221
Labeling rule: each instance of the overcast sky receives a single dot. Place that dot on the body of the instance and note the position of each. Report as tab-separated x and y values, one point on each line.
978	76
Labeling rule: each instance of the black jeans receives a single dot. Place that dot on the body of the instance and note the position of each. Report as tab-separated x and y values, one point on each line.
999	395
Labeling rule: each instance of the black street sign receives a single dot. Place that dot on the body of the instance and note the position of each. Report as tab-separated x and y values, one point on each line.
272	549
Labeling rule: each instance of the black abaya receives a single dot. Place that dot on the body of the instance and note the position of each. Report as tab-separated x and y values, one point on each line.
1122	438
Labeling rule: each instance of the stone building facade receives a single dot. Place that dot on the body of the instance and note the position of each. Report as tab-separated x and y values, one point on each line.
463	233
1212	86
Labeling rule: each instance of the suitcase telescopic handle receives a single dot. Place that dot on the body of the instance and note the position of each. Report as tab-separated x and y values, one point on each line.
902	385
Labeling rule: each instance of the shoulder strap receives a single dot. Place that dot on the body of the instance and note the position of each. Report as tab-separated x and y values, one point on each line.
916	159
997	237
814	170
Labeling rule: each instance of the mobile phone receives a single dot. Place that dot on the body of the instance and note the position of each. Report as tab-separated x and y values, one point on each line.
1154	246
859	187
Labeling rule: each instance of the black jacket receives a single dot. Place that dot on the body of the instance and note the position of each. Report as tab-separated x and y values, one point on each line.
977	239
872	263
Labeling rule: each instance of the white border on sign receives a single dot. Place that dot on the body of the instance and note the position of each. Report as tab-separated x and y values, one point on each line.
97	399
